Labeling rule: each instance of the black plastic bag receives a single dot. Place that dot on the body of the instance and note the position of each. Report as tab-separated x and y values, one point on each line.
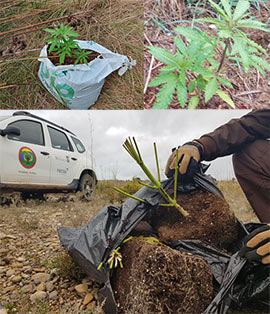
91	244
237	281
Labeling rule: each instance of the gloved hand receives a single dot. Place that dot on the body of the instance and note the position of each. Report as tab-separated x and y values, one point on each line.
257	245
189	156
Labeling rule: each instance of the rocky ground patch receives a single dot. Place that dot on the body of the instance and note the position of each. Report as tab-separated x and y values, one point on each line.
36	274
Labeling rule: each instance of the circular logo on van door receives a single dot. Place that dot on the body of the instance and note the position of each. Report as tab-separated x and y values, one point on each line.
27	157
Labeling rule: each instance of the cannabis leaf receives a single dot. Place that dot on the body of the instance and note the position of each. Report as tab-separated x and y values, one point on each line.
191	58
63	43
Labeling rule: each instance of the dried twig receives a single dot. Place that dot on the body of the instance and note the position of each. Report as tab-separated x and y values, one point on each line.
21	52
14	85
41	23
149	74
258	79
9	2
248	93
21	16
22	59
32	25
150	66
8	86
247	87
23	33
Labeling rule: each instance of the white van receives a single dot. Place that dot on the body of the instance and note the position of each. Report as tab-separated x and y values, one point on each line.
39	156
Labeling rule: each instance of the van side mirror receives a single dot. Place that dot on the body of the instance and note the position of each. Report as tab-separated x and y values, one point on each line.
10	130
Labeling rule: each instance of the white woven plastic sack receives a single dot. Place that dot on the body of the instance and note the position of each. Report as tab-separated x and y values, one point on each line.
79	86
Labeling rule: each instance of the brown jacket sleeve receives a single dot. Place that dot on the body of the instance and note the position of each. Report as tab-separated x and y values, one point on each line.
232	136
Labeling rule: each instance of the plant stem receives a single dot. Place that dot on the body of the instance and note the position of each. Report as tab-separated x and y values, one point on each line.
129	195
148	185
156	157
175	175
173	203
223	54
134	152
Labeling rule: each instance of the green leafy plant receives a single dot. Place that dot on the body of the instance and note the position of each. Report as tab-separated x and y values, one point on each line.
194	72
230	24
190	71
81	56
203	4
63	43
255	3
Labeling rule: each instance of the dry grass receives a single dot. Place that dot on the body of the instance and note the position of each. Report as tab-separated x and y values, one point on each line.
78	212
105	189
117	25
237	201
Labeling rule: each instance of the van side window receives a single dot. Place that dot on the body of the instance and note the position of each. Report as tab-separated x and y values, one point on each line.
78	144
31	132
59	139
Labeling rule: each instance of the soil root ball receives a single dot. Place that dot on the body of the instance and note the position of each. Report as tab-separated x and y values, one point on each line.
210	219
158	279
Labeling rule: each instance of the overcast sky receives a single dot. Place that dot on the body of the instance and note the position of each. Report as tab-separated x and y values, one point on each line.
107	130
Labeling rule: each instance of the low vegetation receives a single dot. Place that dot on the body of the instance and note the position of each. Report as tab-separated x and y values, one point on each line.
231	39
64	266
194	72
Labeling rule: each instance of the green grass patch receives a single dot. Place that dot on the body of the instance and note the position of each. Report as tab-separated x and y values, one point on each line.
27	224
65	267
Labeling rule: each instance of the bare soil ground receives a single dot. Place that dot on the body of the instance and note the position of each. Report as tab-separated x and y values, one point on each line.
250	90
117	25
30	251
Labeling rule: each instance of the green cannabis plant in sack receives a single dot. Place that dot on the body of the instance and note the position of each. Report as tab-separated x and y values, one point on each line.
62	42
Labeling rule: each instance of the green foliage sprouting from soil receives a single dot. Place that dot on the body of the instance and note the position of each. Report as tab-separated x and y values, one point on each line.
62	41
230	27
117	25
